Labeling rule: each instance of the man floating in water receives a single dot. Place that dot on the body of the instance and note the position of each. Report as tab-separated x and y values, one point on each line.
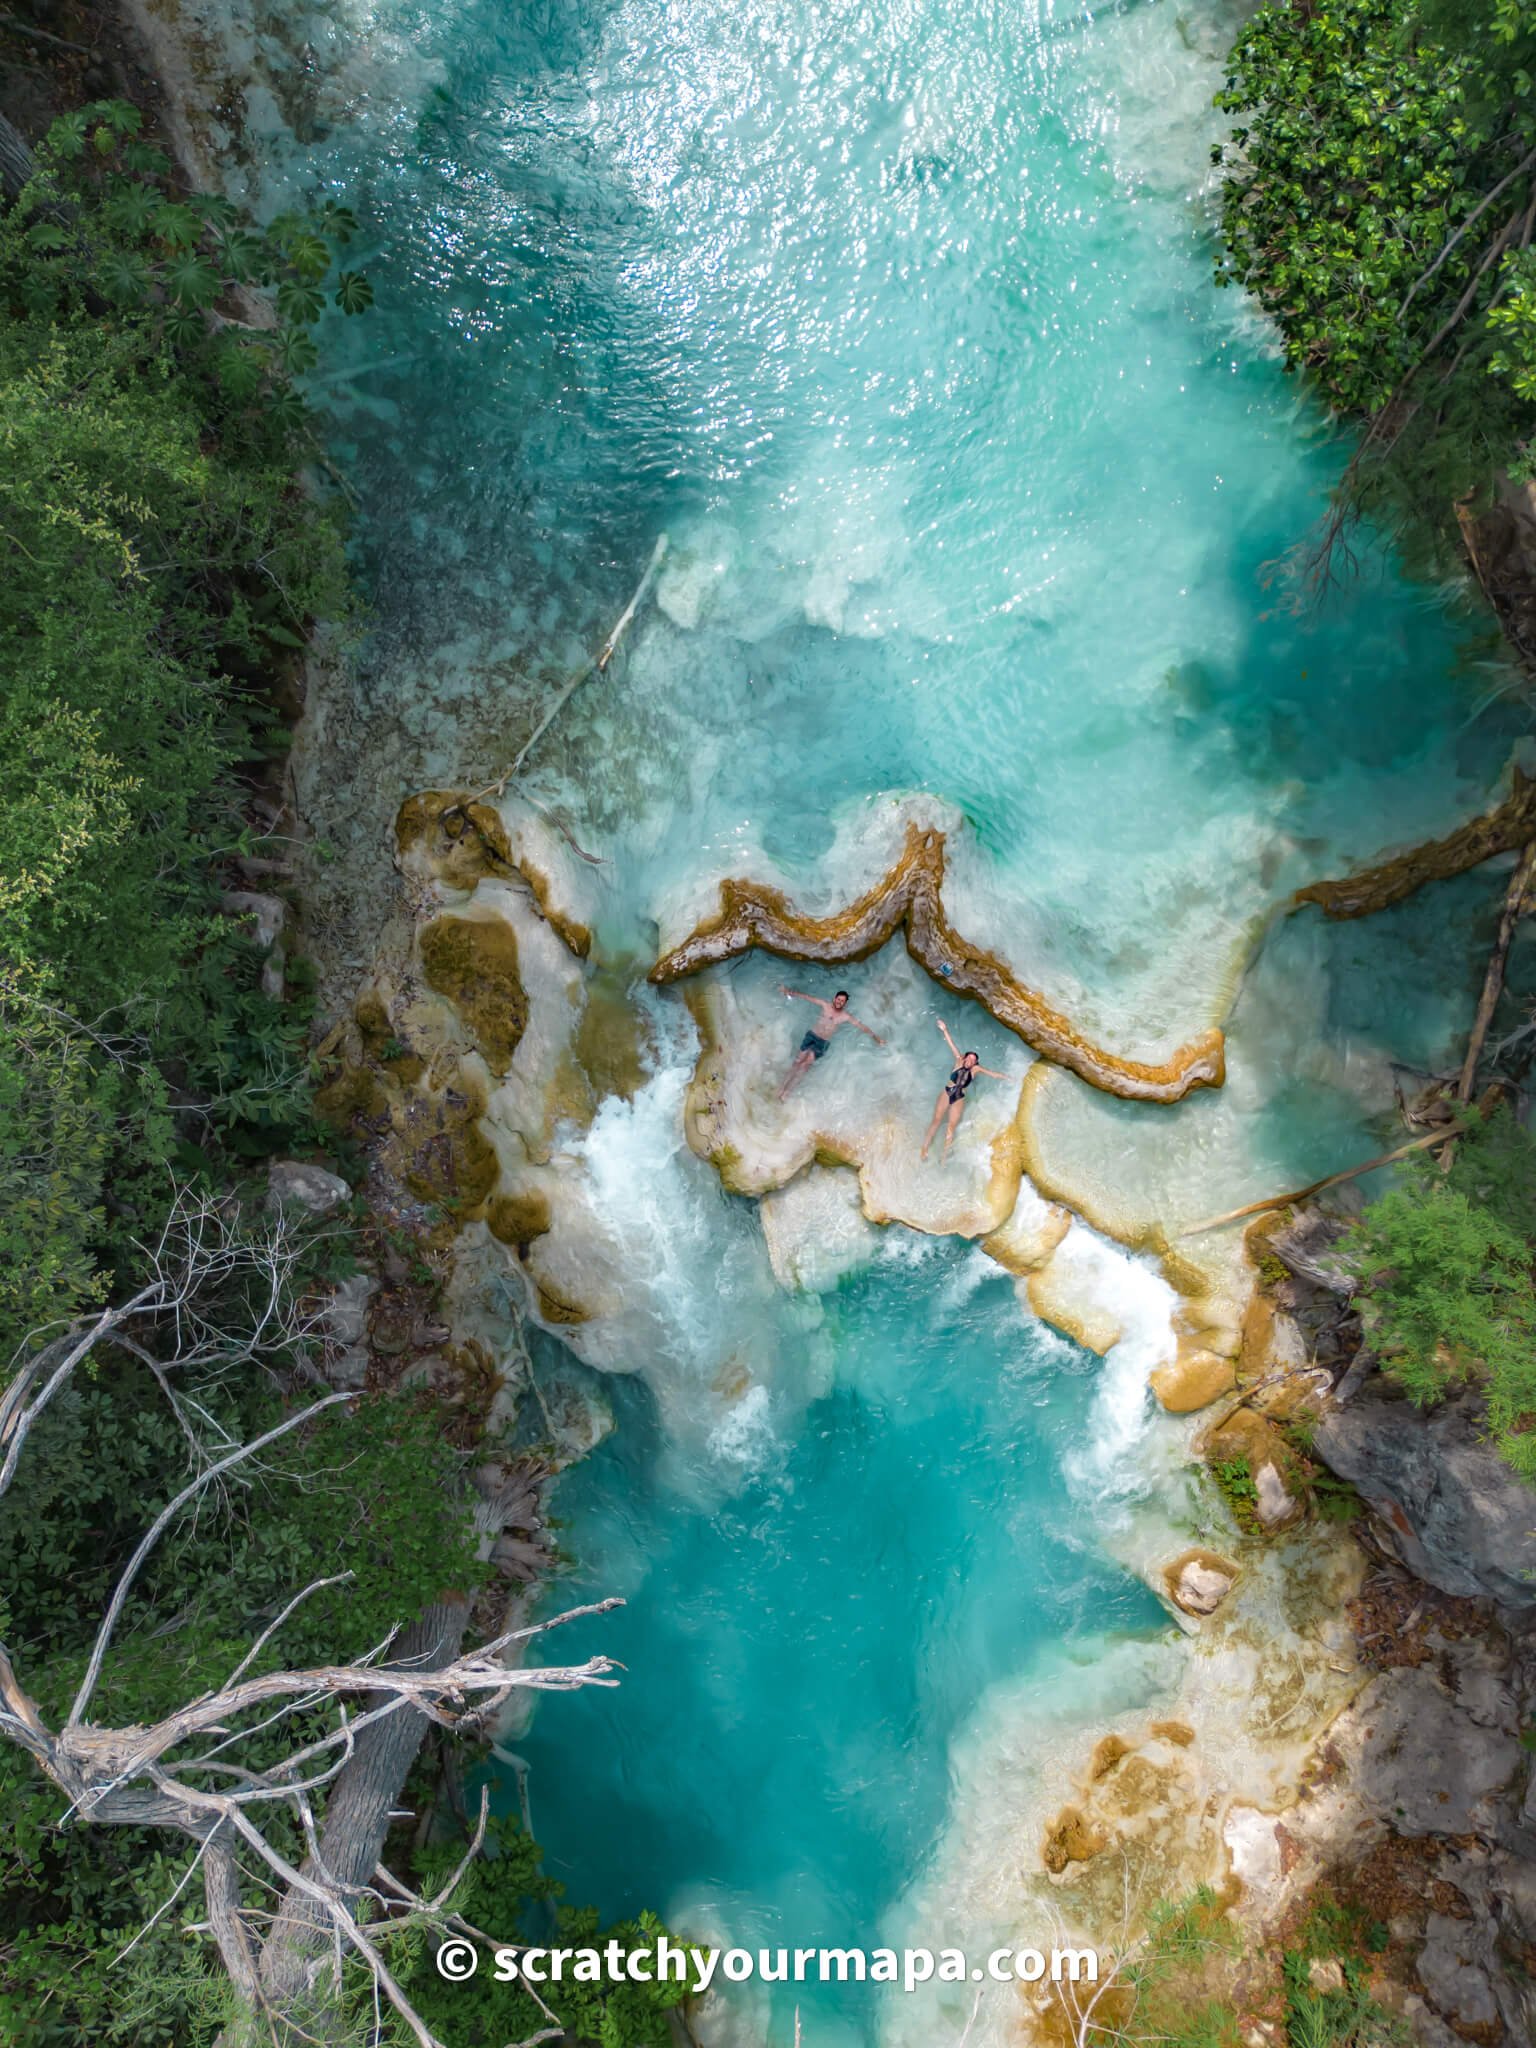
952	1094
834	1016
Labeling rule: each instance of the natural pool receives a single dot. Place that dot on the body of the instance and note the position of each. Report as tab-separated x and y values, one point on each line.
895	316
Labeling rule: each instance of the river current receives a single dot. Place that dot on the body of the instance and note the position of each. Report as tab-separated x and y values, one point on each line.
896	317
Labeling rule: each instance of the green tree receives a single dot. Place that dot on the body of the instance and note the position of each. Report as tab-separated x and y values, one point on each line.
1379	199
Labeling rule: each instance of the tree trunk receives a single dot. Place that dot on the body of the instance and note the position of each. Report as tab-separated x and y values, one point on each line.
16	161
294	1957
1493	980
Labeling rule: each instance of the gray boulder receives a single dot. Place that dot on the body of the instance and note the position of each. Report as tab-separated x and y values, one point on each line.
1455	1968
1421	1764
1458	1516
344	1321
299	1184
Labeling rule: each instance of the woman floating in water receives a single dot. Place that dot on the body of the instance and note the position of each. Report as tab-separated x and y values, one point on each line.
952	1095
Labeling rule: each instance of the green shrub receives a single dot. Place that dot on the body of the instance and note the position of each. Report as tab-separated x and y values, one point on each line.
1446	1263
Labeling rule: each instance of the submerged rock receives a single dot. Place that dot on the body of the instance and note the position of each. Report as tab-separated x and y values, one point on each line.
816	1230
1456	1514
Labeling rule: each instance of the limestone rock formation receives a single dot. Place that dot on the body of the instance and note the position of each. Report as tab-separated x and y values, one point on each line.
909	899
1455	1512
1199	1580
1194	1379
1247	1439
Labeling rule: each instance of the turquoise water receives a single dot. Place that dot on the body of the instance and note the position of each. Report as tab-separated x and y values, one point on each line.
895	316
809	1632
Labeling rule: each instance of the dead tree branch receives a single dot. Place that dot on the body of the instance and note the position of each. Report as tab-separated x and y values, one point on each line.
216	1297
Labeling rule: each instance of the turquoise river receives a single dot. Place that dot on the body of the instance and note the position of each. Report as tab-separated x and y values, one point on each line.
896	317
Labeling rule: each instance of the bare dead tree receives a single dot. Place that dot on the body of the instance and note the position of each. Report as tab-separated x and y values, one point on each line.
217	1299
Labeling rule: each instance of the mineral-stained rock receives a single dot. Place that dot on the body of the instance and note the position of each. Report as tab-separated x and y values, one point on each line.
1177	1732
473	962
910	899
1193	1380
1248	1439
1071	1839
300	1184
1109	1751
444	837
1458	1516
1199	1581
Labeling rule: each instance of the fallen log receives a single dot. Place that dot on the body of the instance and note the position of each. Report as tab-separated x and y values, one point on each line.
1498	959
1437	1136
1509	825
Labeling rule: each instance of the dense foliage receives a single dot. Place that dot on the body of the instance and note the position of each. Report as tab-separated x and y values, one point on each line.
159	566
156	559
1447	1263
1380	200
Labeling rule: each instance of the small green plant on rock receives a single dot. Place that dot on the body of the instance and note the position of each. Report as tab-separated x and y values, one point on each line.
1234	1478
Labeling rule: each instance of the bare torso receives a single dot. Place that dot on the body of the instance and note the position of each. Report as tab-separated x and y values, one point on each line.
829	1020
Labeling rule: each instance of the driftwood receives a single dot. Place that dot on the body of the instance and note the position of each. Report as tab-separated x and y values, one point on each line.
1493	980
597	666
1332	1180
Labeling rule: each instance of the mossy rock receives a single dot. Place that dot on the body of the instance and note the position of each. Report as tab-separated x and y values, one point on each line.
383	1043
463	842
351	1093
518	1219
472	961
456	1166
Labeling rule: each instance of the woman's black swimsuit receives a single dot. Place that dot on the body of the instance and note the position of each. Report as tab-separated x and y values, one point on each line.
959	1081
813	1045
